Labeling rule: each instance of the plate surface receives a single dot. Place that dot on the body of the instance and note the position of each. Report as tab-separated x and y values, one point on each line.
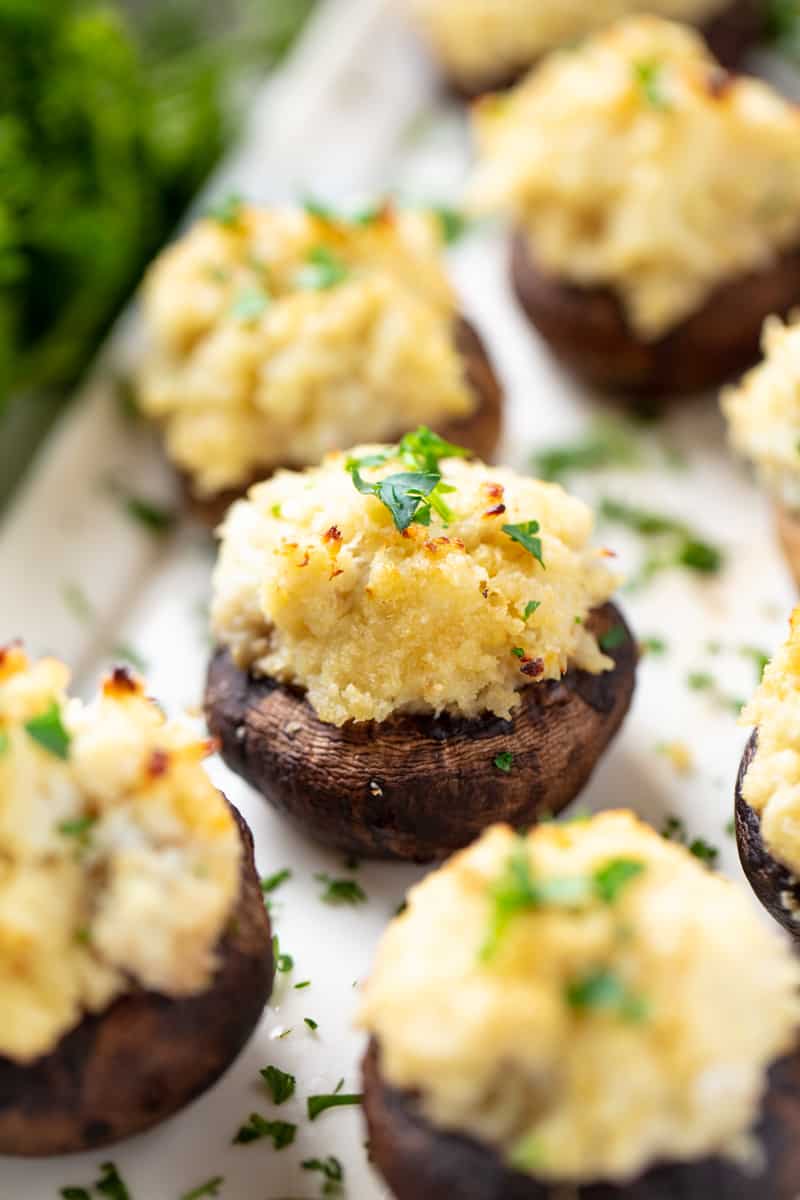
356	111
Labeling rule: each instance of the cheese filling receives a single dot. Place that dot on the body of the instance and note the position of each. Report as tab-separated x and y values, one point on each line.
632	162
316	587
119	860
772	783
763	412
485	39
588	1000
276	336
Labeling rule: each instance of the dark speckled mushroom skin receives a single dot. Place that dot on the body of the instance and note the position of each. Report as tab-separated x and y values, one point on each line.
418	788
145	1057
774	885
479	432
420	1162
730	34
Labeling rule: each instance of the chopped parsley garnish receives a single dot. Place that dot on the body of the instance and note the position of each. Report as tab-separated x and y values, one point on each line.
281	1132
283	962
4	742
318	1104
760	659
270	882
612	638
306	983
603	991
700	681
250	304
654	645
77	602
324	270
517	651
331	1170
607	444
530	608
504	761
111	1184
281	1085
412	495
524	534
676	542
311	1023
209	1188
362	216
649	78
703	850
227	210
674	830
74	1193
79	828
452	221
47	729
155	518
341	891
518	890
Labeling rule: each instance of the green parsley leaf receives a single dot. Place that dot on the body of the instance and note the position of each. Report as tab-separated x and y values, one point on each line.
250	304
703	850
504	761
612	638
5	742
270	882
283	962
209	1188
649	78
700	681
305	983
47	729
324	270
608	444
517	651
424	450
700	556
341	891
155	518
226	211
613	877
331	1170
678	544
516	890
674	830
603	991
311	1023
111	1183
654	645
530	608
280	1083
79	828
318	1104
406	495
281	1132
74	1193
524	535
453	222
760	659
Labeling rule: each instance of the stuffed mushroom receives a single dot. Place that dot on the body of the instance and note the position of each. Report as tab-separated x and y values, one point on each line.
656	204
585	1011
135	951
274	336
487	44
412	645
768	787
763	415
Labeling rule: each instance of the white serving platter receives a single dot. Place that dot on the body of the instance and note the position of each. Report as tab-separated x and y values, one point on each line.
357	111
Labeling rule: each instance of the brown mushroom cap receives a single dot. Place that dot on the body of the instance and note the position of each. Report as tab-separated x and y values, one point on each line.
126	1069
773	883
479	432
420	1162
588	330
416	787
787	524
730	34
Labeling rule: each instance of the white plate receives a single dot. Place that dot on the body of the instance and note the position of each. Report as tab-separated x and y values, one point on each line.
356	111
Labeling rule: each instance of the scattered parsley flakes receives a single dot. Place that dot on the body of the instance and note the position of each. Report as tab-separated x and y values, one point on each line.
280	1132
281	1085
452	221
700	681
676	543
155	518
504	761
649	77
653	645
79	828
336	1099
341	891
250	304
331	1170
306	983
611	879
517	651
602	990
674	830
760	659
608	443
283	962
227	210
111	1183
74	1193
612	638
530	608
703	850
524	535
311	1023
47	729
209	1188
324	270
270	882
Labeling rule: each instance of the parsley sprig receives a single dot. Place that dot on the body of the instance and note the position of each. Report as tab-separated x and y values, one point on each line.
411	496
281	1133
47	729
